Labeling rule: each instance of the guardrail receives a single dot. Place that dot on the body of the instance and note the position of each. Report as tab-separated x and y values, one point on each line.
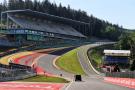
121	74
31	47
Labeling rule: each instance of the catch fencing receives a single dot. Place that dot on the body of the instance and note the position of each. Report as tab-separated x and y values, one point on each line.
15	72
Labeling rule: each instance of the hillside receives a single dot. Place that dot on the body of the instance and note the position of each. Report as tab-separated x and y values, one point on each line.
98	28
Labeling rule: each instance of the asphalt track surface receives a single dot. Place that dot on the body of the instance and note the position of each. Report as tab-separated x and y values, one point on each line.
92	81
46	62
28	60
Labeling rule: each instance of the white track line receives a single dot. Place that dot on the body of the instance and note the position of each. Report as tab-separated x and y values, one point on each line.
69	85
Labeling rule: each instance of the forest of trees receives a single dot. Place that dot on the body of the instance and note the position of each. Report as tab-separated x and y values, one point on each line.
127	42
99	28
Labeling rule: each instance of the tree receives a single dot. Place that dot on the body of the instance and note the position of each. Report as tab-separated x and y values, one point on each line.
28	4
4	5
98	28
127	42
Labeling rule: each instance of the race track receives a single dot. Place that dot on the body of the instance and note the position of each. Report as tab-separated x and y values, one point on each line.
46	62
92	81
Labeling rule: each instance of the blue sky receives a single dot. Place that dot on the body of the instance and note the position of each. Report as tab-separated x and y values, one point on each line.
120	12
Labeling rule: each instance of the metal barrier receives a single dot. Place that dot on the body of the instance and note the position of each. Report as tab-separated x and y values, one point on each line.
121	74
7	73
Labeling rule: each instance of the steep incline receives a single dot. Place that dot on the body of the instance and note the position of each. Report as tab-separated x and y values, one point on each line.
46	62
93	81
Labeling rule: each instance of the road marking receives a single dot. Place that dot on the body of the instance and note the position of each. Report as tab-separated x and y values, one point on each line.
37	58
90	61
54	63
67	88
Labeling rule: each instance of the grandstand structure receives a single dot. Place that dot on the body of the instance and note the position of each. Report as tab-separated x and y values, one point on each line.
117	56
24	27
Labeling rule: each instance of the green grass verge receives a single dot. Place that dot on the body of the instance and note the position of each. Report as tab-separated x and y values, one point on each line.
41	78
96	56
69	62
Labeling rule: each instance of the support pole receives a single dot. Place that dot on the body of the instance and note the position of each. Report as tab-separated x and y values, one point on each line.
7	21
1	20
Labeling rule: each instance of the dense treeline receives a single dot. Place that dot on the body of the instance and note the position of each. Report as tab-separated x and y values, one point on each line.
127	42
98	28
